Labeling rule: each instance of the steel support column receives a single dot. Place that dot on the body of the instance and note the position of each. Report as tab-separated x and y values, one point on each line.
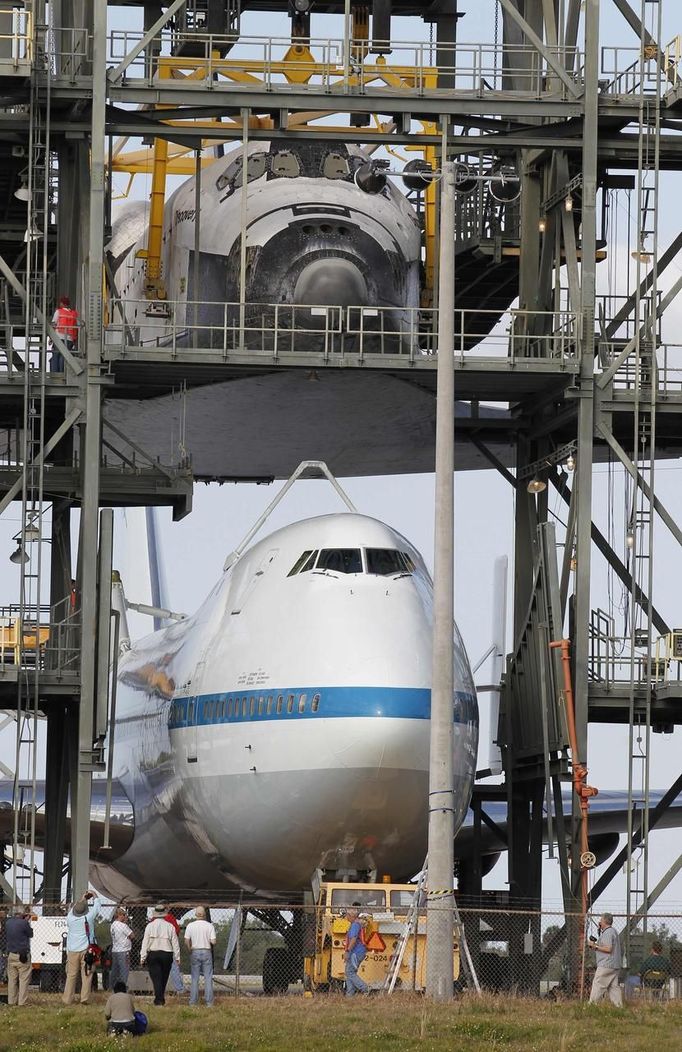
90	458
586	400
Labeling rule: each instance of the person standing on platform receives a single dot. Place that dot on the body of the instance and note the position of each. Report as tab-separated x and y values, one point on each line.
80	932
65	324
19	935
160	947
200	937
121	945
606	980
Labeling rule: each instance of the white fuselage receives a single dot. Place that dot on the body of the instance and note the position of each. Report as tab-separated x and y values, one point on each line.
284	727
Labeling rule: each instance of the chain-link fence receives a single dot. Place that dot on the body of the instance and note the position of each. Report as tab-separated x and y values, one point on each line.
302	949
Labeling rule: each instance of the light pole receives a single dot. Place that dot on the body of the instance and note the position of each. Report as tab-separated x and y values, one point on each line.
439	965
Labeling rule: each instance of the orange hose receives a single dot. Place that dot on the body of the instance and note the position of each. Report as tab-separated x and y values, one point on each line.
582	790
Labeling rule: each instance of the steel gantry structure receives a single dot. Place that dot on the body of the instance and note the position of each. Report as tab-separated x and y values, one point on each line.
548	125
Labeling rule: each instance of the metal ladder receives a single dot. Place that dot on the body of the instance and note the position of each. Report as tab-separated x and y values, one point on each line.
410	928
641	526
33	506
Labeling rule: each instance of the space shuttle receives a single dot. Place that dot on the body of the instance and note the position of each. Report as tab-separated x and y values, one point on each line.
325	228
283	729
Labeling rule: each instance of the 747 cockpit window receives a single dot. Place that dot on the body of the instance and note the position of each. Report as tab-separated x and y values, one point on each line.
303	563
387	561
340	560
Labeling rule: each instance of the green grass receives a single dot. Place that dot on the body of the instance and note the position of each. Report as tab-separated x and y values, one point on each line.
332	1024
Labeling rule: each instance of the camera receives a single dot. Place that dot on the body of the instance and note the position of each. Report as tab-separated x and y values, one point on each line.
593	938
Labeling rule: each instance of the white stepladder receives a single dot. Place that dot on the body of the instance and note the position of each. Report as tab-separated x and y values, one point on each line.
410	928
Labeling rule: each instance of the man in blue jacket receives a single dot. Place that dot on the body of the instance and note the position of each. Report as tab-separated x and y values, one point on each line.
355	951
80	932
19	935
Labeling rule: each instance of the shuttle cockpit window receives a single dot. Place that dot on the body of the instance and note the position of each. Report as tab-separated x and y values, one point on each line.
335	166
285	165
255	168
387	561
369	899
303	563
231	178
340	560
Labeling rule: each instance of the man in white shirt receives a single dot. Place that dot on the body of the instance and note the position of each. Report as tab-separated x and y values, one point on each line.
159	946
200	937
606	982
121	945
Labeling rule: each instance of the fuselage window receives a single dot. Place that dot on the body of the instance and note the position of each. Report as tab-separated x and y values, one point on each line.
302	559
252	707
221	708
290	703
340	560
261	703
386	561
269	704
244	706
280	702
229	707
302	698
190	712
315	702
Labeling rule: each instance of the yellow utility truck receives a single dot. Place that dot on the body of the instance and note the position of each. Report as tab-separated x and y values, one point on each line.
383	908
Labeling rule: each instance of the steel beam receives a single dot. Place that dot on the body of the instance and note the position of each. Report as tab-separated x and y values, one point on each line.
584	526
607	551
91	453
45	451
537	43
635	474
147	38
626	310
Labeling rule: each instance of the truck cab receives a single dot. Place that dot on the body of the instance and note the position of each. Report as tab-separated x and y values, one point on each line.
383	908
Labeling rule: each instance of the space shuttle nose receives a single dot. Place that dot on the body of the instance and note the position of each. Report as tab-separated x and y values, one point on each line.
331	282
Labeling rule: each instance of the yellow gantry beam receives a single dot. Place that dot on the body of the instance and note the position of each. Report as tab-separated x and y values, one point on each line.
298	66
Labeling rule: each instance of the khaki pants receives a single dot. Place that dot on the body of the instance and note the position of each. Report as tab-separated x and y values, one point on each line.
606	982
75	963
18	976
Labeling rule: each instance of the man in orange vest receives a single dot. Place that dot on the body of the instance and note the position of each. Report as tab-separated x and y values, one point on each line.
65	323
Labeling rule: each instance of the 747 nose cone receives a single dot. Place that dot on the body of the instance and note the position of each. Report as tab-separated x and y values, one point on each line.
331	282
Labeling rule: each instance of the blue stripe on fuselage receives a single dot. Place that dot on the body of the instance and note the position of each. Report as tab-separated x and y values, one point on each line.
310	702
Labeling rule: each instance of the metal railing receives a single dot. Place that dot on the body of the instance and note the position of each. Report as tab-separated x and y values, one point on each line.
16	40
277	330
667	375
611	657
45	637
628	75
321	64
